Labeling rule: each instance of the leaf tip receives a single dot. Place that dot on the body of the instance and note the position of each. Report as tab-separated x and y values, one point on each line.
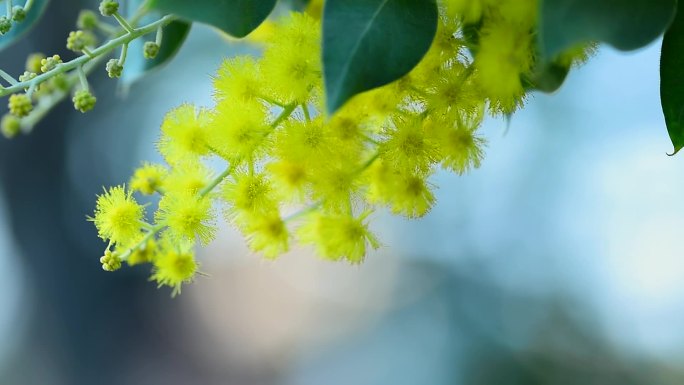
675	151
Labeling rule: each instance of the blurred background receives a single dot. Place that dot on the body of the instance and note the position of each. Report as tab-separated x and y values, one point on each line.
557	262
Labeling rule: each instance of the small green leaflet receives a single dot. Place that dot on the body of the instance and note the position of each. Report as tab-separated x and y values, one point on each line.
370	43
235	17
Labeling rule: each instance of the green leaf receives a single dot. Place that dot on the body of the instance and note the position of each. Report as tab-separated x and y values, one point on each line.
546	77
672	81
235	17
137	66
369	43
624	24
18	29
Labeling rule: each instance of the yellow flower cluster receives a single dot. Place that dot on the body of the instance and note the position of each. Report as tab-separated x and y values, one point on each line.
502	46
293	173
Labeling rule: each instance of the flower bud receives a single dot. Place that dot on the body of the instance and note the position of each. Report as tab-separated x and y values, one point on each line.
5	25
20	105
110	261
49	63
33	62
26	76
10	126
150	50
114	69
78	40
87	20
83	100
18	13
109	7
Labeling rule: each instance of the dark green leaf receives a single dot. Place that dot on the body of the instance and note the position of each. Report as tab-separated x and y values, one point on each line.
672	81
546	77
235	17
136	65
624	24
18	29
369	43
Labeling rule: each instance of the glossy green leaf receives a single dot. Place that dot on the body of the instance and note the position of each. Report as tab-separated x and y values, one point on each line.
672	81
235	17
18	29
624	24
137	66
369	43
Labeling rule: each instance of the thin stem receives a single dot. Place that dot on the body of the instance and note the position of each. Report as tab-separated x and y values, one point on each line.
99	51
48	102
12	81
216	181
146	226
29	92
139	13
28	5
303	211
368	163
160	35
284	114
82	78
318	204
161	226
271	101
123	22
87	52
287	111
307	115
124	52
154	231
107	28
9	9
367	138
214	151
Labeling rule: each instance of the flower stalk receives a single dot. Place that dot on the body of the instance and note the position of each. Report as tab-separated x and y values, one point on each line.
95	53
